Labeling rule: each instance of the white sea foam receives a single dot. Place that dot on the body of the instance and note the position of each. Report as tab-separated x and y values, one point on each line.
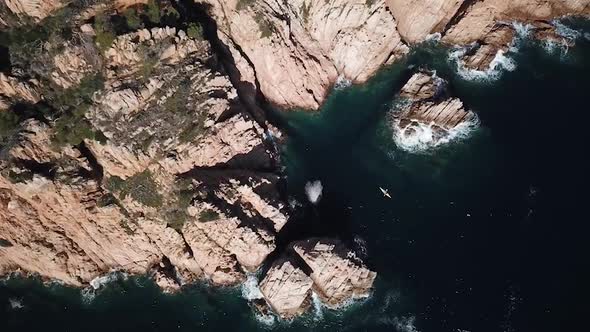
265	319
342	82
314	189
433	37
522	30
502	61
497	66
360	246
89	293
421	137
405	324
101	281
318	306
569	34
250	289
16	304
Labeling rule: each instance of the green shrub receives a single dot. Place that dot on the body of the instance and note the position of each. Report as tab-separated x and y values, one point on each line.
263	25
141	187
305	11
147	68
208	215
153	11
114	183
242	4
71	128
105	34
178	100
8	123
132	19
195	31
71	131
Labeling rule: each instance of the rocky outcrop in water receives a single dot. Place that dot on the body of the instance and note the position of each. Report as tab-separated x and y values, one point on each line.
427	115
286	289
334	273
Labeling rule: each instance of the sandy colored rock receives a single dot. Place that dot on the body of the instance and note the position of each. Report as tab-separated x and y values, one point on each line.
428	114
298	49
338	275
417	19
37	9
63	214
286	289
15	90
430	103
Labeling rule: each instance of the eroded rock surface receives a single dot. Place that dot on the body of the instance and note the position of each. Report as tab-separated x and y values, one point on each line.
296	50
121	181
326	267
338	275
287	289
427	116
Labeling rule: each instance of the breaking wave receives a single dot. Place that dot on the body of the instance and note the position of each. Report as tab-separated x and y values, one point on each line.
89	293
564	31
497	66
318	306
502	61
268	320
342	83
313	190
250	289
422	137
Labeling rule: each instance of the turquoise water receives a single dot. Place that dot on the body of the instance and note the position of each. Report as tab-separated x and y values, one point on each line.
487	233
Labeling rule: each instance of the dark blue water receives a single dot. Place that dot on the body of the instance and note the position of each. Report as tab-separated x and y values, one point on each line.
488	233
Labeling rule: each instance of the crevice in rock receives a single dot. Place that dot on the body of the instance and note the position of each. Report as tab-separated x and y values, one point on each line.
248	93
97	169
459	14
5	63
187	247
46	170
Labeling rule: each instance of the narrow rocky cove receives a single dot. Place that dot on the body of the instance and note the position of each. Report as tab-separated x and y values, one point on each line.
282	164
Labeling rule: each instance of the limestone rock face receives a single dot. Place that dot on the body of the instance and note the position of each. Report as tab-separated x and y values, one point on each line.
337	274
428	114
296	50
287	289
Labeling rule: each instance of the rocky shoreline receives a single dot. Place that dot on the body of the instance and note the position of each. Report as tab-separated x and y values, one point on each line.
135	135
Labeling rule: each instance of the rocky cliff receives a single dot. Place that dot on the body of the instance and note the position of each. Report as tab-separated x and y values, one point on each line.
136	157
